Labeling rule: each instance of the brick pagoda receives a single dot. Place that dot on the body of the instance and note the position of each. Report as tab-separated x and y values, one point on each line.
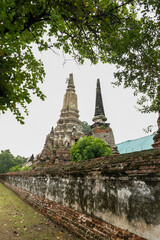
100	128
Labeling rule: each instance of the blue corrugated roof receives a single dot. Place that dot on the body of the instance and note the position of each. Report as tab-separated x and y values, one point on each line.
135	145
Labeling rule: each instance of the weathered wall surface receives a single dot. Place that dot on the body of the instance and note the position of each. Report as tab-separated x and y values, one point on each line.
94	195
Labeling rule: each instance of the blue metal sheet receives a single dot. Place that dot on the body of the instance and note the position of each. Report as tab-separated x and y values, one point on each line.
135	145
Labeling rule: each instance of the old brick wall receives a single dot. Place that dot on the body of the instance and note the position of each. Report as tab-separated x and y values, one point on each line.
98	198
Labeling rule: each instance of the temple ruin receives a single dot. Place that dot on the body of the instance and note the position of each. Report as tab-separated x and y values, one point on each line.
69	128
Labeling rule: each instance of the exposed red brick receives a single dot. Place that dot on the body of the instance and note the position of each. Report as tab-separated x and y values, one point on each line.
66	217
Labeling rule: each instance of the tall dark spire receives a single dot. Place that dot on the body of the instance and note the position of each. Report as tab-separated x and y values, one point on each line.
100	128
99	110
99	115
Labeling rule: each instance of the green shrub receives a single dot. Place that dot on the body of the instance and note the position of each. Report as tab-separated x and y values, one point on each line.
19	168
26	168
15	168
89	147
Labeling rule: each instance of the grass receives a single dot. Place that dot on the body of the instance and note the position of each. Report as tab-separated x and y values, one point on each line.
19	220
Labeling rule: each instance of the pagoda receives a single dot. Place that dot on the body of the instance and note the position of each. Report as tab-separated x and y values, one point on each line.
68	129
100	128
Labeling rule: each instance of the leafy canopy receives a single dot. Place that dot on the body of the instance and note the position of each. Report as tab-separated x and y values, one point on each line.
16	168
7	161
19	168
137	55
89	147
125	33
86	128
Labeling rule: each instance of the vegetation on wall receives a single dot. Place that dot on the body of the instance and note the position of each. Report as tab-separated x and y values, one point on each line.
89	147
124	33
8	161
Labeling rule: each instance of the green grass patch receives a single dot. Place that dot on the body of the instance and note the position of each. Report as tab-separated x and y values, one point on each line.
19	220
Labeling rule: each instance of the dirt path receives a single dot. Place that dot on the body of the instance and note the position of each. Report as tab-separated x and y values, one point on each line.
20	221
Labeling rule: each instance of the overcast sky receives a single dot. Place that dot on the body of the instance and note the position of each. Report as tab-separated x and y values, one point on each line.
119	105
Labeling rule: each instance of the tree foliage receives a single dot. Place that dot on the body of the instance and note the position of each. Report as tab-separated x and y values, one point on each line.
19	168
125	33
16	168
86	128
89	147
7	161
137	55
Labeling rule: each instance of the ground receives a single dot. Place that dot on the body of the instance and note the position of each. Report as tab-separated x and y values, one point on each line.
20	221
